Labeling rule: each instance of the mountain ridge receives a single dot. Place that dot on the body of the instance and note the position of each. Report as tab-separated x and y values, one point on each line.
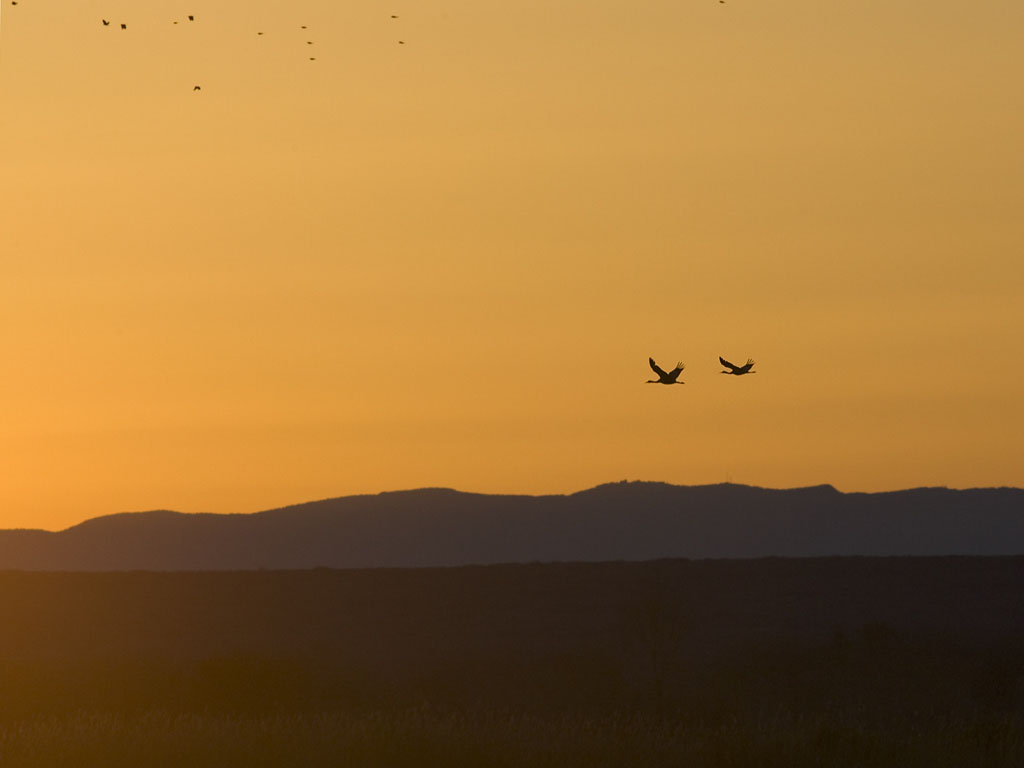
637	520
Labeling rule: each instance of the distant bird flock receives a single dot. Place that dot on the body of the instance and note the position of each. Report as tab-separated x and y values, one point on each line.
672	377
393	16
191	17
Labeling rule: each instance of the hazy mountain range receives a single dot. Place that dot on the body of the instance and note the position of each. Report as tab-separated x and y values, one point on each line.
619	521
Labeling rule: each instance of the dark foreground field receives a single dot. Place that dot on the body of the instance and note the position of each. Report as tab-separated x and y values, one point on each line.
827	662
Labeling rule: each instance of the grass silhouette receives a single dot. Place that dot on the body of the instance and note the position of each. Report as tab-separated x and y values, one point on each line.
662	663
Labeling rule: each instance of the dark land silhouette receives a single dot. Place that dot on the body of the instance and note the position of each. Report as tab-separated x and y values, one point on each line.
209	640
795	662
620	521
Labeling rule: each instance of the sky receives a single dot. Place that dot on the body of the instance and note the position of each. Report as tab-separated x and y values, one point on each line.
348	264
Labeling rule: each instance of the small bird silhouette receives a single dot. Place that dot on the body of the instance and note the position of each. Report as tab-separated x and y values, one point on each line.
191	18
393	16
737	370
196	88
124	26
663	377
401	42
105	22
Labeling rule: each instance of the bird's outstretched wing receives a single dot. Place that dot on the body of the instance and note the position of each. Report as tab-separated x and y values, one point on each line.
676	371
655	368
727	364
748	366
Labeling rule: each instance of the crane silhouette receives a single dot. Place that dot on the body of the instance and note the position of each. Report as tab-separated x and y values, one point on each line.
663	377
737	370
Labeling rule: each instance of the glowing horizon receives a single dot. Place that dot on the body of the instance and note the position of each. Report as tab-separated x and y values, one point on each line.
446	262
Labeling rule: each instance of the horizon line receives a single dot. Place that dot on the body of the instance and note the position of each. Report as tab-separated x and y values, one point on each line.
418	489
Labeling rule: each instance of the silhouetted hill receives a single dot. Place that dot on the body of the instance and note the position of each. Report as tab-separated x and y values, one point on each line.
619	521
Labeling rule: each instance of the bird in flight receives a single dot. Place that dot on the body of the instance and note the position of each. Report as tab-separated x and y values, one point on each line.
105	22
663	377
124	26
196	88
737	370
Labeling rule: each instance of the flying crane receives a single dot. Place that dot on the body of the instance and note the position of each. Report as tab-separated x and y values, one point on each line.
737	370
663	377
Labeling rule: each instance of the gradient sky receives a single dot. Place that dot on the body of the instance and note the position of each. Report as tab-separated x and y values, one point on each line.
446	262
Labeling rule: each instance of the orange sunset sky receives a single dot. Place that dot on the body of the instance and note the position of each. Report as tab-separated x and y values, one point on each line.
446	262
